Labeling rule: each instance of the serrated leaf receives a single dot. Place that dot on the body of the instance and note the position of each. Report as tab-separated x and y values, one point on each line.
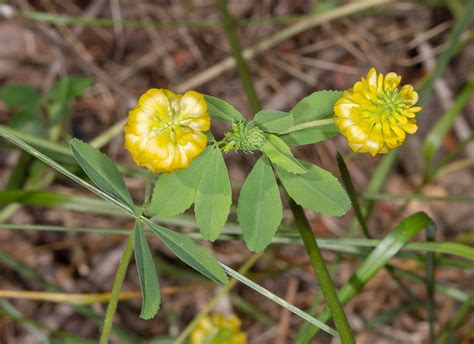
317	189
175	192
151	298
190	253
213	197
273	121
280	154
259	210
222	110
102	171
315	107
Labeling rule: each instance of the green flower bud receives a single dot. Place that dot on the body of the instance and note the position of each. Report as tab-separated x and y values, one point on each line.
247	137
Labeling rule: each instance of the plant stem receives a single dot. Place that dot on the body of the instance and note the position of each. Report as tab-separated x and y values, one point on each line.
147	197
307	235
229	27
119	278
312	124
322	274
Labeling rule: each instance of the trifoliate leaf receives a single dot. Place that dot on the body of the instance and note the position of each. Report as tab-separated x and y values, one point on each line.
280	154
315	107
213	197
222	110
317	189
175	192
147	272
259	210
273	121
191	253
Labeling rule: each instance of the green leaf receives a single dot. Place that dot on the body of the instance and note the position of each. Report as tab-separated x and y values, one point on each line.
26	101
190	253
315	107
102	171
68	87
175	192
259	210
29	123
317	190
20	97
213	196
147	272
222	110
273	121
280	154
59	200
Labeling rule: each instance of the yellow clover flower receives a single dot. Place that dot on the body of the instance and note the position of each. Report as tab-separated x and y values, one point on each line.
375	115
165	131
218	330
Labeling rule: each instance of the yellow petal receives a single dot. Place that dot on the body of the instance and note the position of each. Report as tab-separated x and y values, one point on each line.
155	102
410	128
392	80
372	77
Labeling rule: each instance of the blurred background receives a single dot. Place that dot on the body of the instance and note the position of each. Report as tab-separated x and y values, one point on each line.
75	68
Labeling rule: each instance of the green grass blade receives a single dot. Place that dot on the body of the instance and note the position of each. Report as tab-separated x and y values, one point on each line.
59	200
346	179
354	246
279	300
442	126
418	197
430	279
379	257
463	311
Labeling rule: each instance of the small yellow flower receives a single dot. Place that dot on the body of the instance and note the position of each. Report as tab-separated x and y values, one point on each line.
218	330
165	131
375	115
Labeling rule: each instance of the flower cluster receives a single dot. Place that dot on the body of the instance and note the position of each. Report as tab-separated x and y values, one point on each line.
165	131
218	330
375	115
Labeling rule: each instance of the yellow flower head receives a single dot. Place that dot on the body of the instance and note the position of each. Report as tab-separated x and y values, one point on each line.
375	115
218	330
165	131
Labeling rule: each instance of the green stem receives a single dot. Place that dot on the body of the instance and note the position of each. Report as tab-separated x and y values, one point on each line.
147	197
119	278
122	268
244	73
322	273
306	233
312	124
430	282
